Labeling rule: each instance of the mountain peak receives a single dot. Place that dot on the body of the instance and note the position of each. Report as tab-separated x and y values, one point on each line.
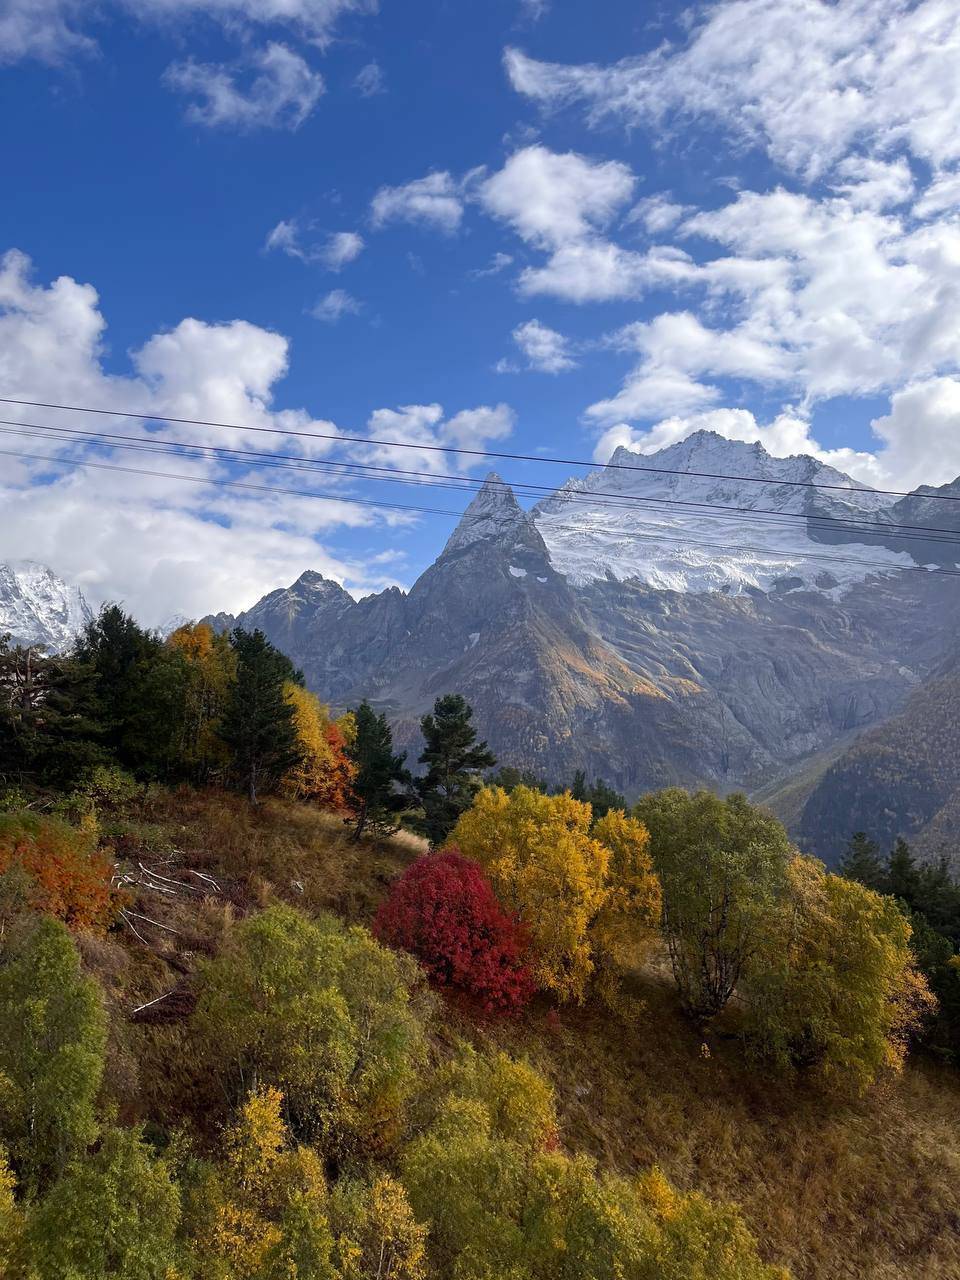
38	607
494	515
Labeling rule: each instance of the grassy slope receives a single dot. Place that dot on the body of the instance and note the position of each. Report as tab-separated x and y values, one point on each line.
868	1189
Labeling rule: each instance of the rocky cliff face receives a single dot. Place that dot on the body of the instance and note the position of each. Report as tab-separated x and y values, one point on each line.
585	639
37	607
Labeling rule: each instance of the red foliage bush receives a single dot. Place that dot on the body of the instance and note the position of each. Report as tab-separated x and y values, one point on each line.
69	877
443	911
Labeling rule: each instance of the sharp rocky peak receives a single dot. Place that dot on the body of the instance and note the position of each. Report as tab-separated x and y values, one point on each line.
494	516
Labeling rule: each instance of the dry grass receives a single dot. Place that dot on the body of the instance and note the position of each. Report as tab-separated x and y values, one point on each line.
835	1190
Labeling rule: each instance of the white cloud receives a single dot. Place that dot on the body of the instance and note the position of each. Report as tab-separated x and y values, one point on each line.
546	350
49	30
369	80
334	305
341	247
808	80
274	89
499	262
552	199
435	200
941	196
657	213
42	29
335	252
163	545
424	425
874	184
921	434
534	10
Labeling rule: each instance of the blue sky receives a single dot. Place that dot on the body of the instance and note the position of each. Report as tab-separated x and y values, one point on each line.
548	227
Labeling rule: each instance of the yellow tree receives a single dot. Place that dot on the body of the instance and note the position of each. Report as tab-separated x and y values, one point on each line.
626	925
835	986
546	866
209	667
324	772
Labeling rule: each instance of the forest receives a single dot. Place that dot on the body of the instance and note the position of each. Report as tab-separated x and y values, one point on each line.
277	1003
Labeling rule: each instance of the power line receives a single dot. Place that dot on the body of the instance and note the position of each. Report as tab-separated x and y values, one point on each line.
469	484
652	537
472	453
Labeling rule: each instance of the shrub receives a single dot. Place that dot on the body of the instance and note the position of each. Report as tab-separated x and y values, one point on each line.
320	1011
69	876
443	911
487	1173
546	867
835	986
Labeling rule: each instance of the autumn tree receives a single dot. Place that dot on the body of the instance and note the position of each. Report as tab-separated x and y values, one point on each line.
262	1211
835	986
259	721
52	1040
323	773
454	761
322	1012
376	1232
207	669
375	795
547	869
65	874
626	924
443	911
112	1216
722	867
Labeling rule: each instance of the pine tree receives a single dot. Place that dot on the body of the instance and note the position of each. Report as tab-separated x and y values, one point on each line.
48	726
375	799
454	759
138	691
258	724
861	861
902	879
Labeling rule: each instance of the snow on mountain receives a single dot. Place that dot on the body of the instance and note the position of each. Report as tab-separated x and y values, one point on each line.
37	607
663	529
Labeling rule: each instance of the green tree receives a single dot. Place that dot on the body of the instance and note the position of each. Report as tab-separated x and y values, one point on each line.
49	730
321	1012
374	793
722	867
52	1041
835	986
454	760
137	689
112	1215
861	861
258	723
902	878
596	794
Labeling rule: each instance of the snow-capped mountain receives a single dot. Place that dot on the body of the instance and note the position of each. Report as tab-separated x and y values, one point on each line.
711	514
38	607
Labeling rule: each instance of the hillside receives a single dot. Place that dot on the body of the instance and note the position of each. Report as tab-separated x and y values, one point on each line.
900	779
863	1189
